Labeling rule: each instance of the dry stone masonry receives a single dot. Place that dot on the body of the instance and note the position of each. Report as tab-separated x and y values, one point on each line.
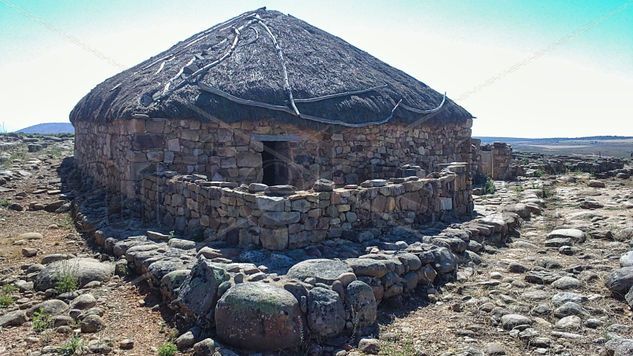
118	154
262	300
278	217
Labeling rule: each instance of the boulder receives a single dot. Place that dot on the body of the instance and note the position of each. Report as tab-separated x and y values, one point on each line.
619	347
627	259
620	281
171	282
445	260
91	324
566	282
198	293
204	347
84	301
50	307
14	318
520	209
361	303
510	321
84	270
368	267
326	312
323	270
259	317
596	184
369	346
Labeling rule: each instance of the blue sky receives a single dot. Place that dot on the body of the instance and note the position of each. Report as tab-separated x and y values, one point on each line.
523	68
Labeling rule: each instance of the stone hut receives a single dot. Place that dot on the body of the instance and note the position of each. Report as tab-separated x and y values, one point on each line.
266	98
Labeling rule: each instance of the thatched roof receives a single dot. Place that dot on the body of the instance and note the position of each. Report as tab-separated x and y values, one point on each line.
264	64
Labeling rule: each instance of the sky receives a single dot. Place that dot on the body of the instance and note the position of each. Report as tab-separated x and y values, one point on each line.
539	68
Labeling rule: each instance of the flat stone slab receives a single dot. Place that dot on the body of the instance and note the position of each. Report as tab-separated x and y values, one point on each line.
575	234
323	270
84	270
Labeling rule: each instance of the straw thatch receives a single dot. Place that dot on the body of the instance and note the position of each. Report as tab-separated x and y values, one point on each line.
264	64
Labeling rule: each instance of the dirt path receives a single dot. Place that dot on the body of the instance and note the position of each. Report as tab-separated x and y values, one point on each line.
128	309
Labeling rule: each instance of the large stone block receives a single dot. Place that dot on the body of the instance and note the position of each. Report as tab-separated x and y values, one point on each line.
274	239
147	141
259	317
280	218
268	203
249	159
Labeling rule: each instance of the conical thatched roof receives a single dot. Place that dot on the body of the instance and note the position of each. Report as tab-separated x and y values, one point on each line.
264	64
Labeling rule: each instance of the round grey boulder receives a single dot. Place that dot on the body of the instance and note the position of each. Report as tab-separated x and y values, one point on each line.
259	317
83	270
510	321
92	324
323	270
627	259
368	267
326	312
361	303
84	301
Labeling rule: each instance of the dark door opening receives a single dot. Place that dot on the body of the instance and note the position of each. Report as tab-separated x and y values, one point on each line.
274	162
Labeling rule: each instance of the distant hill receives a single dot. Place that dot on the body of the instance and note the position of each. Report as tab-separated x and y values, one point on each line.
49	128
619	146
549	140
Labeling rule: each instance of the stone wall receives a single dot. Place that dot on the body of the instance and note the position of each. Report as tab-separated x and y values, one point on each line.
210	282
117	154
279	218
495	160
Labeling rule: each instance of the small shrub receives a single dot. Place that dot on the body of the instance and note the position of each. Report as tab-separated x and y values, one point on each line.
41	320
548	192
67	222
489	187
539	173
71	347
167	349
4	203
66	283
5	301
9	288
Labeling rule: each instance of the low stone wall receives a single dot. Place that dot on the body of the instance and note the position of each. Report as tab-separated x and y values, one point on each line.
279	218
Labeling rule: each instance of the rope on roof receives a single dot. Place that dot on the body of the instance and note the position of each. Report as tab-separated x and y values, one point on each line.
430	111
157	61
280	54
285	109
237	30
337	95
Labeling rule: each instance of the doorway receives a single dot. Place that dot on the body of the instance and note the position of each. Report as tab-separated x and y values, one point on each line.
274	162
